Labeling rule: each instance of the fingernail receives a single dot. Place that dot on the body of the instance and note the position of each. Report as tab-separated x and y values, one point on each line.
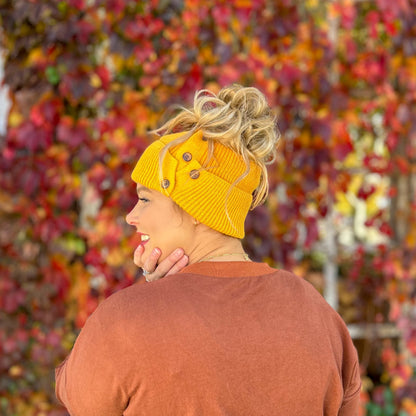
156	252
178	252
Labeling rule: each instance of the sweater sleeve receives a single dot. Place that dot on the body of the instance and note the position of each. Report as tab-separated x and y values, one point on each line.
351	403
89	381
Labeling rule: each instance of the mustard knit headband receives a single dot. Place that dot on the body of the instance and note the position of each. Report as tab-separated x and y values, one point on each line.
203	192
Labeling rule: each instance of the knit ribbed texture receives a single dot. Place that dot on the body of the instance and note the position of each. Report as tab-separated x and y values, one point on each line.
209	197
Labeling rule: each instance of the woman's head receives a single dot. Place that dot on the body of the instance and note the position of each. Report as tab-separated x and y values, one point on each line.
211	159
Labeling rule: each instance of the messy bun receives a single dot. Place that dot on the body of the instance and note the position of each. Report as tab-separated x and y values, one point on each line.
238	117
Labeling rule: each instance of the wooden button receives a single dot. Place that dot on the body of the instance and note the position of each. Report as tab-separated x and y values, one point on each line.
165	183
194	174
186	156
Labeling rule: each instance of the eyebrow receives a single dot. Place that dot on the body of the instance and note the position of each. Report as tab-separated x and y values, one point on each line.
142	189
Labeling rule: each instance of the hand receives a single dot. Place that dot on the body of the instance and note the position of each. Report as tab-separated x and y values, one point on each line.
175	262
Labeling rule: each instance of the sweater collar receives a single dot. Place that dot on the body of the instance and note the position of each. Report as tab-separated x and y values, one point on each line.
228	268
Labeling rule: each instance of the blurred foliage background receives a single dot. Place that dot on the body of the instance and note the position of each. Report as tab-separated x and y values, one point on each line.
88	78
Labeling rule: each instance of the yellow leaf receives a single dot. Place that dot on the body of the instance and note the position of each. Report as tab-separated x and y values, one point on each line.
115	257
411	238
113	162
351	161
226	36
323	112
35	56
411	65
15	119
305	138
342	205
15	371
95	81
119	137
373	201
312	3
243	3
397	382
355	184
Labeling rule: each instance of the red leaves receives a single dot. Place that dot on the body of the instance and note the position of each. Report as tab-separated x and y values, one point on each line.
30	137
342	143
312	232
142	28
394	8
193	80
72	132
13	297
49	228
288	74
78	4
392	140
373	19
76	86
366	191
372	68
115	6
47	113
347	13
377	164
386	229
104	75
222	15
83	31
36	133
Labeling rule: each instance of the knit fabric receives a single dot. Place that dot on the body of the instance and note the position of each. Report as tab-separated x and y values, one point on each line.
203	188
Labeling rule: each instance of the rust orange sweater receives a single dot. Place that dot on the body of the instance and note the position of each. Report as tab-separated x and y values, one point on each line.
218	338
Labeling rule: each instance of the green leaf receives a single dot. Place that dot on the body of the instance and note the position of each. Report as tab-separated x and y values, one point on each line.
63	7
373	409
388	396
52	75
73	244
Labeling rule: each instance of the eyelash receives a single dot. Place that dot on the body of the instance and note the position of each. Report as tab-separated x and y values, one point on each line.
143	200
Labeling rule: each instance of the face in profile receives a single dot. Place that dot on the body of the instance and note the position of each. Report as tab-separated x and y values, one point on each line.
160	223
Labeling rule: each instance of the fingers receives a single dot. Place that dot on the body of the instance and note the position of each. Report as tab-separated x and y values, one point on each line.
172	264
151	262
182	262
138	255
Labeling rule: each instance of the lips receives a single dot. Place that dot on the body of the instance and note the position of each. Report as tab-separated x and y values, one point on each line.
144	238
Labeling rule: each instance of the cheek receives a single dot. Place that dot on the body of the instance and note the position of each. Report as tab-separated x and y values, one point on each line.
175	233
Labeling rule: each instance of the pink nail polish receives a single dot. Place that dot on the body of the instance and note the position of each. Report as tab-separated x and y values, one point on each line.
177	252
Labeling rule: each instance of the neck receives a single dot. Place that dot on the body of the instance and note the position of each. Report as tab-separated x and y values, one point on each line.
210	245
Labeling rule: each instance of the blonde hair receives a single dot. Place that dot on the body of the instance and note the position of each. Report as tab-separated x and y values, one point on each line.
238	117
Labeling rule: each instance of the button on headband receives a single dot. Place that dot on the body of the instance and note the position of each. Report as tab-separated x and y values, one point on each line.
194	174
187	156
165	183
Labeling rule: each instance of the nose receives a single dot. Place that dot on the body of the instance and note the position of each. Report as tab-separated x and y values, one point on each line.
131	217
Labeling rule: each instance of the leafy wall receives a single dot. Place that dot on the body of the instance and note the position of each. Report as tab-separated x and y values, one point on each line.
88	79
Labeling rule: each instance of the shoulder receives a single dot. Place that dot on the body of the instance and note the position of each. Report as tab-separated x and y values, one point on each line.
304	293
137	302
297	287
120	302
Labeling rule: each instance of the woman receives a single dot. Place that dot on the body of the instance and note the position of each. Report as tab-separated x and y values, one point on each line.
223	335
